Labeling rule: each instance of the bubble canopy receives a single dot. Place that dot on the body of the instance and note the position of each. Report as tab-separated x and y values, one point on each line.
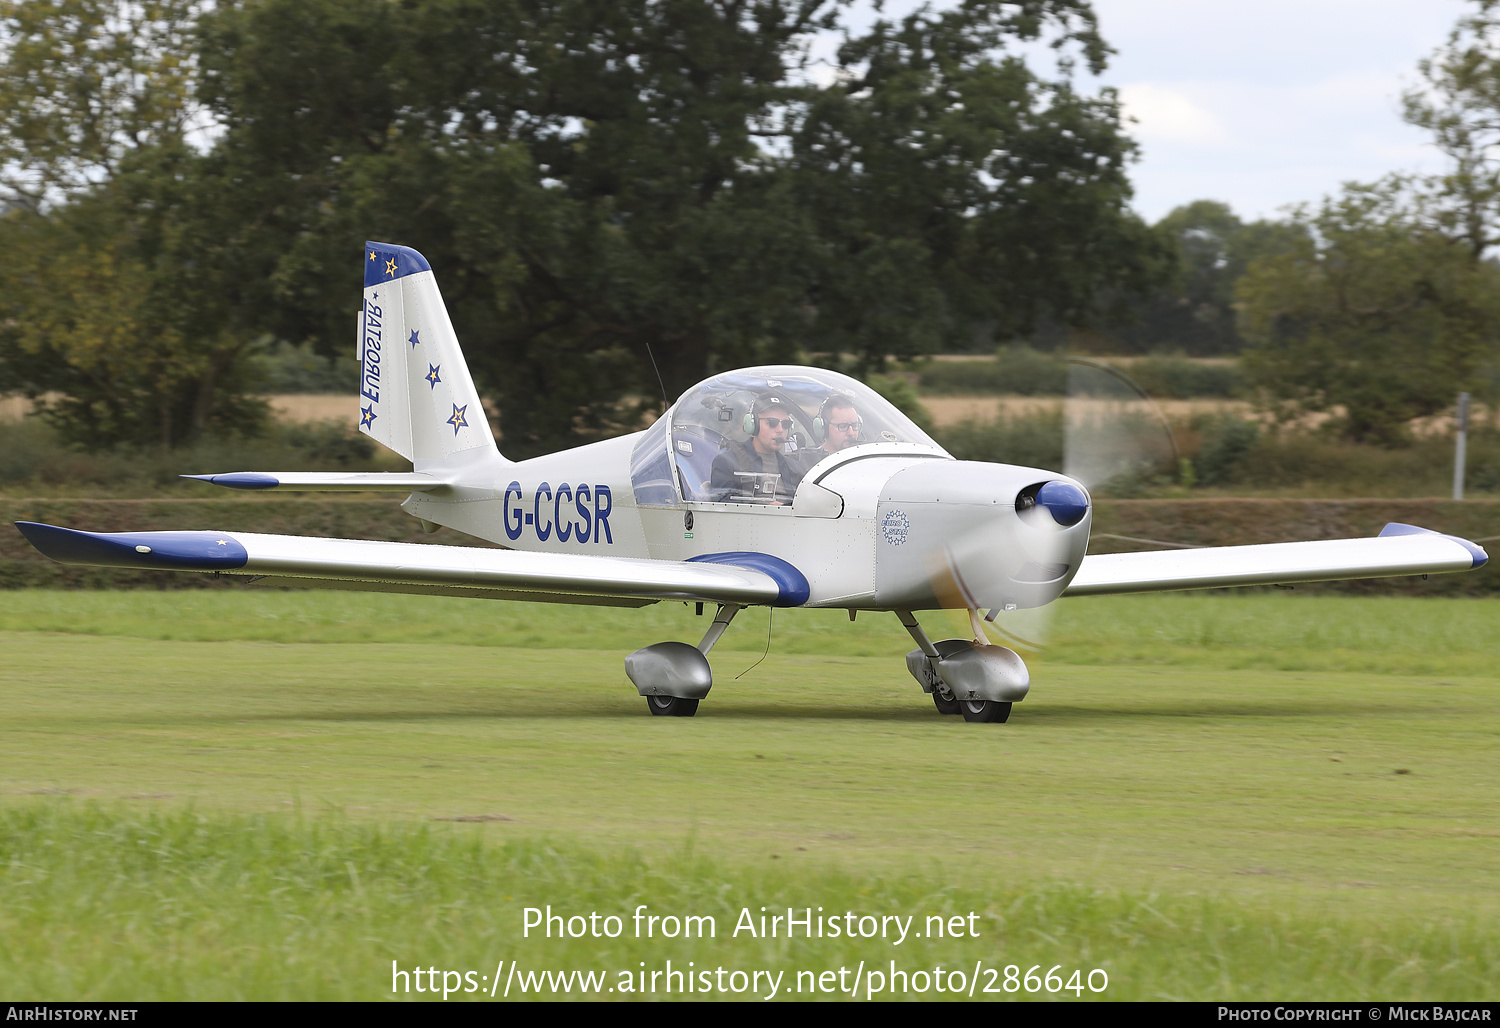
702	450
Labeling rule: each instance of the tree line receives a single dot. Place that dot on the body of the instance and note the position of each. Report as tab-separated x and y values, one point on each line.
589	179
1382	300
612	189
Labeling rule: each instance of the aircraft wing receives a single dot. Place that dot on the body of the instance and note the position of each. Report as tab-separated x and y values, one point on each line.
741	578
1397	550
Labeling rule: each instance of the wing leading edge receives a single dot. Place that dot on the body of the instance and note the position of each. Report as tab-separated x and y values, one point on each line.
740	578
1397	550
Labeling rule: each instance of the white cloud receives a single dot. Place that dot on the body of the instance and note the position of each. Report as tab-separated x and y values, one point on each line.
1272	102
1170	116
1259	103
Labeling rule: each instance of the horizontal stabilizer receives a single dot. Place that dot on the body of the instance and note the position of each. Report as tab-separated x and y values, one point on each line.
1398	550
327	482
741	578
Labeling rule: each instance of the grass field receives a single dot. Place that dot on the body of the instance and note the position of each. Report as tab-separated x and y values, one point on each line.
274	795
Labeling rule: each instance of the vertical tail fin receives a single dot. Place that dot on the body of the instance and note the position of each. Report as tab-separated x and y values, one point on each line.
416	396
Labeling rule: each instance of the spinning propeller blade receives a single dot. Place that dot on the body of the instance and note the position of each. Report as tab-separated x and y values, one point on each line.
1115	439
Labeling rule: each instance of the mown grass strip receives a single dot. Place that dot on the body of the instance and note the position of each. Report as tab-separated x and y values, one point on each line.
1274	631
109	905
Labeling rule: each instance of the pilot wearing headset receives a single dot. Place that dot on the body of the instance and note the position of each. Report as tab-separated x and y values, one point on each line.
758	470
838	425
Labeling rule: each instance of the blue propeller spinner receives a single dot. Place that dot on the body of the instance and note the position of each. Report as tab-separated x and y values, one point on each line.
1066	503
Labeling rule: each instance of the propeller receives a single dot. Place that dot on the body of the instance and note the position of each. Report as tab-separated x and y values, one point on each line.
1115	437
1116	440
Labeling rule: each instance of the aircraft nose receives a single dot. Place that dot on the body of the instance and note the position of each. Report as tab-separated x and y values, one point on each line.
1066	503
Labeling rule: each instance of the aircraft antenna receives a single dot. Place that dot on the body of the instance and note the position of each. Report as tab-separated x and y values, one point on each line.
665	403
770	620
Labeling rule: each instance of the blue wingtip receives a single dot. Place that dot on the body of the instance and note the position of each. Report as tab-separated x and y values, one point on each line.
1476	551
239	480
792	585
386	262
166	551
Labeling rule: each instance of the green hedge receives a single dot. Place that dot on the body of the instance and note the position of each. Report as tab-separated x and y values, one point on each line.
1222	522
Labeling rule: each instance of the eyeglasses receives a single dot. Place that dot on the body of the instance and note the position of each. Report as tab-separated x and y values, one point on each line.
778	422
845	426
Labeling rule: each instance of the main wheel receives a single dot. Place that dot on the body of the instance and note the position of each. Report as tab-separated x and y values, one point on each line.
984	710
944	700
671	706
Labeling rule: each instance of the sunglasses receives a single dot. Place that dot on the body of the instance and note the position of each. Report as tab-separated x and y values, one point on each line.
778	422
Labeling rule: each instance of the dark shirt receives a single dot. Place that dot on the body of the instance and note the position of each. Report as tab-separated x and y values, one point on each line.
805	458
742	474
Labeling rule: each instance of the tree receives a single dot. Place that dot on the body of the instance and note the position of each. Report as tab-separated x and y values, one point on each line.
84	83
1194	312
1373	310
121	301
121	311
950	185
1460	106
602	186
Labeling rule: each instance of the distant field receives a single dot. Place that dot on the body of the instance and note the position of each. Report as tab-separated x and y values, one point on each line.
273	795
315	406
950	410
945	410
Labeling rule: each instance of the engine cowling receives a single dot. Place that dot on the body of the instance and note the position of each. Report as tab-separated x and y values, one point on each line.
984	536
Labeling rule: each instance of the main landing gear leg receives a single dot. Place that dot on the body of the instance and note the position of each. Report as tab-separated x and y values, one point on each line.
726	614
673	676
926	669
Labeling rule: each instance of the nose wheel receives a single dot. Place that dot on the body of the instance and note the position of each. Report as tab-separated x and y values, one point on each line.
671	706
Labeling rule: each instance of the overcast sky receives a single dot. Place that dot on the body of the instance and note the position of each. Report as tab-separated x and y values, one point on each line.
1270	102
1263	103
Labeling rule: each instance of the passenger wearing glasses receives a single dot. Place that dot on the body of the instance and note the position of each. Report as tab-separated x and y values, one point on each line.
757	470
837	426
838	423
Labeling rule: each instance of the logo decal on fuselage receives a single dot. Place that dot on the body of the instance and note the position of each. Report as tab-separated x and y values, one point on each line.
571	513
894	527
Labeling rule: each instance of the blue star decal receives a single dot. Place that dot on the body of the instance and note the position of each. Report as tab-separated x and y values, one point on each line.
366	417
432	375
458	420
414	340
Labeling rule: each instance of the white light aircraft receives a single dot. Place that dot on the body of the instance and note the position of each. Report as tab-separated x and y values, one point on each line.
780	486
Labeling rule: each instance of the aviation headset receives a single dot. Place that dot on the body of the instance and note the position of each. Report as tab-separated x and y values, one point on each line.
763	403
834	402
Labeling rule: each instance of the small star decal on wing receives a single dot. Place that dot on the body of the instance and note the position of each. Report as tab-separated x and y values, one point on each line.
415	342
432	375
223	542
366	416
458	420
372	255
390	266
